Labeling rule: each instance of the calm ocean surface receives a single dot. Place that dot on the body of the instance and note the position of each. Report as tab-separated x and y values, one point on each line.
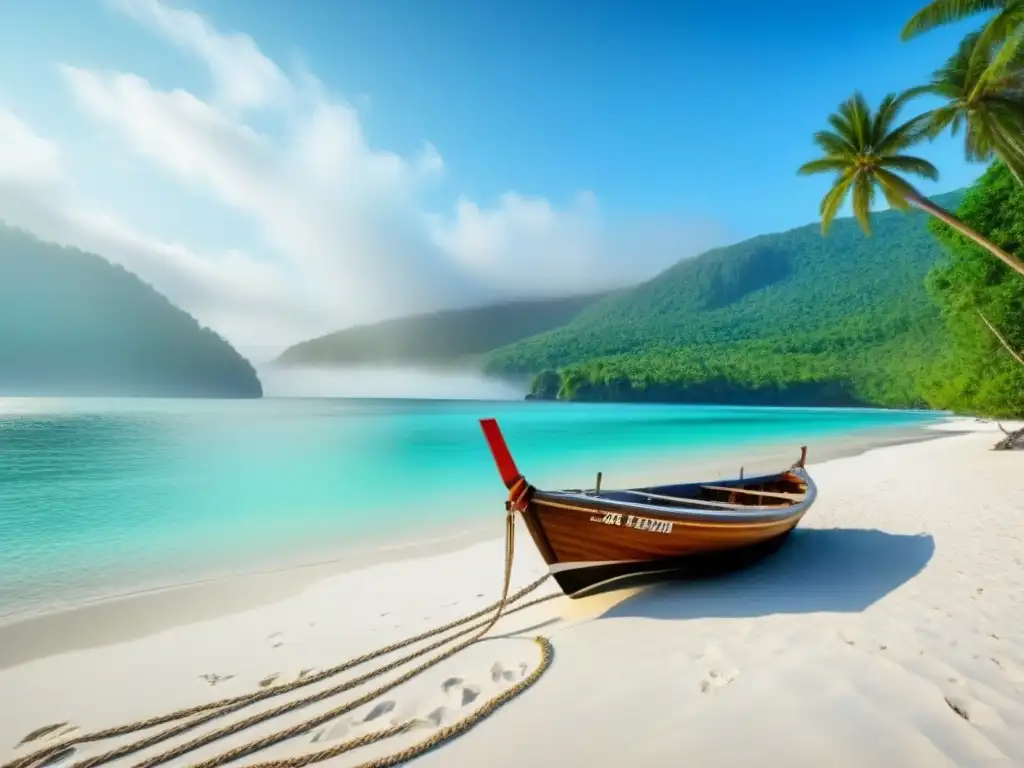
102	497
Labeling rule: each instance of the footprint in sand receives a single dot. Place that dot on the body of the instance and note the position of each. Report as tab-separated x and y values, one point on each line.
276	639
379	710
435	717
212	678
457	690
458	694
500	672
717	679
341	728
269	680
974	711
337	730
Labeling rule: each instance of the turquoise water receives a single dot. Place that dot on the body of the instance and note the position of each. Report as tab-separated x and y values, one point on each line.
99	497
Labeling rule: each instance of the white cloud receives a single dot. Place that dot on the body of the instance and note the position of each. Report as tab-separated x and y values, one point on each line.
244	77
25	158
344	236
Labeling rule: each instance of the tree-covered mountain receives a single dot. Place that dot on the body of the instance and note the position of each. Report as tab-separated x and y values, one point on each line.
445	337
72	323
791	317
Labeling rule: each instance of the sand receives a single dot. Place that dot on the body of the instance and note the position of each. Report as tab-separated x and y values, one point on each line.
888	631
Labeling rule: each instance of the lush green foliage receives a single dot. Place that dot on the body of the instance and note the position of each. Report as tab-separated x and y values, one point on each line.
989	109
440	337
1002	35
806	371
978	374
791	317
71	323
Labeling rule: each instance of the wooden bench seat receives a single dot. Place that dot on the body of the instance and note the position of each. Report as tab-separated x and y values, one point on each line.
749	492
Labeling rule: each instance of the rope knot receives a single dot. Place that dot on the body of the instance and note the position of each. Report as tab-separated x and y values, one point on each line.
518	495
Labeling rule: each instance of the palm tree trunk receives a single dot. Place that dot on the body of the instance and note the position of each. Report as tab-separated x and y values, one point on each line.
1004	342
926	205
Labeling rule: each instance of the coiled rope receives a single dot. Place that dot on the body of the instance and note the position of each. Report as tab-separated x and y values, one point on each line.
205	713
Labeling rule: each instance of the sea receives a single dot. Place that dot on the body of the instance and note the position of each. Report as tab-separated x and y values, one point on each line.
106	497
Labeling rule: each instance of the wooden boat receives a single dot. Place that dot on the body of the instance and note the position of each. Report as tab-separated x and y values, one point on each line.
595	538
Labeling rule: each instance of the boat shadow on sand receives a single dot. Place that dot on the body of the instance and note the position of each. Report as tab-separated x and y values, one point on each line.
839	570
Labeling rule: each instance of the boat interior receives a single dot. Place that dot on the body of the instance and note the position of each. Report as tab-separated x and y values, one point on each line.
783	490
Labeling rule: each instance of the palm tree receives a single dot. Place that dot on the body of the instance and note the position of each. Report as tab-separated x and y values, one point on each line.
864	151
990	111
1005	29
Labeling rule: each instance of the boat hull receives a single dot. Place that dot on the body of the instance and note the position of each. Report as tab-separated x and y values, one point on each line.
579	579
589	543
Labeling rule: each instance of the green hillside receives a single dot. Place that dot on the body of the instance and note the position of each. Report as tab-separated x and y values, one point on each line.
438	337
790	317
72	323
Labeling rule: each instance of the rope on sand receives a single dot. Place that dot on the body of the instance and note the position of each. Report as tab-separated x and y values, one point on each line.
190	718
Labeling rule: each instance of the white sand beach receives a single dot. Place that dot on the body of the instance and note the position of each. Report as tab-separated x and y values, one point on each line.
888	631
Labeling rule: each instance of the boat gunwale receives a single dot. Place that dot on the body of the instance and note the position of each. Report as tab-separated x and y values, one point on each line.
680	512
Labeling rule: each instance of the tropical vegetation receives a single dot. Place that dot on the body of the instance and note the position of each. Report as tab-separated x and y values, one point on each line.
981	369
866	151
982	89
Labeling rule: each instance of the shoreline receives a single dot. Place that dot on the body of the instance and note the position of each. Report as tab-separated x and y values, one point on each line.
131	615
888	630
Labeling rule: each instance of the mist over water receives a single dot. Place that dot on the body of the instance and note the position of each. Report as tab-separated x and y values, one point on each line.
404	382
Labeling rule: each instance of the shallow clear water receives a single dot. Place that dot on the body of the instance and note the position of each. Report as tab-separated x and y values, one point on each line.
104	496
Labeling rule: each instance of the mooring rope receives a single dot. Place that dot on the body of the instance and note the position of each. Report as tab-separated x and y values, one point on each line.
205	713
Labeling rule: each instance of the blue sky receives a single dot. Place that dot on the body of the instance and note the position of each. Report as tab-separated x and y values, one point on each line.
687	117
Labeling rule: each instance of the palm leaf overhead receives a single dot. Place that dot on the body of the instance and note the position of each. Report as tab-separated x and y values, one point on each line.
867	153
990	110
1003	32
940	12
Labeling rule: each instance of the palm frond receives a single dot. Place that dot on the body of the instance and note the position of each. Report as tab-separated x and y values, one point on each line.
939	119
895	200
843	128
939	12
912	93
856	113
915	165
863	197
894	185
825	164
972	58
977	144
1008	143
884	116
833	200
1008	52
833	144
903	136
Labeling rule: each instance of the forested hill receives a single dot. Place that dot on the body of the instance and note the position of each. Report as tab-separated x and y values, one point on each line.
786	318
773	286
72	323
438	337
